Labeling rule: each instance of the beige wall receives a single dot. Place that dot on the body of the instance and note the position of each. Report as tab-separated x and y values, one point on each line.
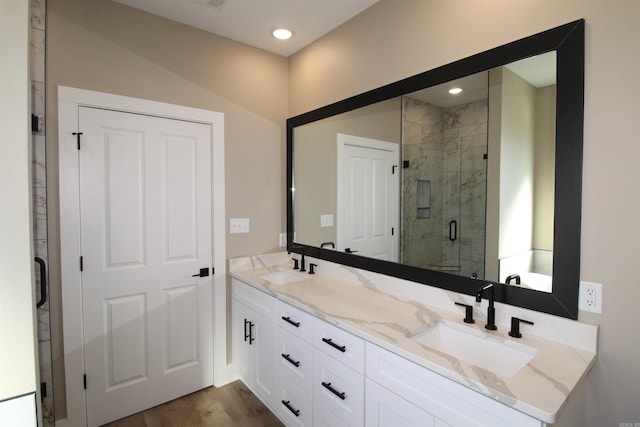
544	167
516	165
17	314
104	46
399	38
316	157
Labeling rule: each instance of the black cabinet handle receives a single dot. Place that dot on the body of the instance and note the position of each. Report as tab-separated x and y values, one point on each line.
341	394
349	251
294	411
342	348
43	282
291	322
248	334
288	358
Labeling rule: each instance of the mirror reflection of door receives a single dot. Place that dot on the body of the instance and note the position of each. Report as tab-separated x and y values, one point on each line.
367	203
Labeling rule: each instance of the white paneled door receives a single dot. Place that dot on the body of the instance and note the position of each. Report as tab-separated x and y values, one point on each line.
368	204
146	233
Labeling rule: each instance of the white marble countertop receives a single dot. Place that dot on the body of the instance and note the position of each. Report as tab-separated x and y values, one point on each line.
540	389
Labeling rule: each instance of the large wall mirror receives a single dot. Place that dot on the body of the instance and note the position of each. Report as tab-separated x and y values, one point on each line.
466	173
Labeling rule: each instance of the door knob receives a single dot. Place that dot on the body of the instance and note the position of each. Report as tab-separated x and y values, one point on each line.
204	272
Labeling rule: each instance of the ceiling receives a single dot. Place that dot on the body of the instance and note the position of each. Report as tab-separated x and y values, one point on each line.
539	71
252	21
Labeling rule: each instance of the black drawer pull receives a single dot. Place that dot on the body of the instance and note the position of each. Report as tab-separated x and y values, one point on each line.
342	348
291	322
340	394
290	360
294	411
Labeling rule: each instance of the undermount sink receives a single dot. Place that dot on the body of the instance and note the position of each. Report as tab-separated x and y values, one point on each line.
282	276
503	357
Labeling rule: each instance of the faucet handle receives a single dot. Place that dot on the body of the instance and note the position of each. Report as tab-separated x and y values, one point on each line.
468	312
295	264
312	267
515	327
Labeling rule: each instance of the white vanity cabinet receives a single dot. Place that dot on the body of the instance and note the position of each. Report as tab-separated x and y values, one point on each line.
400	392
254	340
314	373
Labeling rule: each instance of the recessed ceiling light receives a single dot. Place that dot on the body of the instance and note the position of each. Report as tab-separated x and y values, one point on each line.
282	34
455	91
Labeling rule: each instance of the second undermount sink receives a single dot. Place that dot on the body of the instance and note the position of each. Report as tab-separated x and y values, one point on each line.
282	276
503	357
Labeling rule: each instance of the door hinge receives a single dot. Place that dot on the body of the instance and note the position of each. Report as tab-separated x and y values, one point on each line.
77	135
81	263
84	381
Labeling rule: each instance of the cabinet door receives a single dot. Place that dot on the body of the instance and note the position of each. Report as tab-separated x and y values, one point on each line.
264	336
386	409
243	354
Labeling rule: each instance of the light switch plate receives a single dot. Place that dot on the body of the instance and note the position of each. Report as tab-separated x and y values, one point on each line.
590	297
239	225
283	240
326	220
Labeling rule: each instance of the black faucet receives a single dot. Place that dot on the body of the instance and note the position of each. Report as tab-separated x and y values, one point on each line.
491	311
515	327
512	277
302	264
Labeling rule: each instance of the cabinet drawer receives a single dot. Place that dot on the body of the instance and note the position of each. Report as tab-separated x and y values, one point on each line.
256	300
339	344
294	320
294	405
322	417
387	409
446	400
295	360
338	389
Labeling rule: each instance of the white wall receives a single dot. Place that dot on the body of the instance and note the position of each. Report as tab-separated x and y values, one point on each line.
399	38
17	312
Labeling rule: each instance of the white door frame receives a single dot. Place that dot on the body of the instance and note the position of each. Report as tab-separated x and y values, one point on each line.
342	140
69	100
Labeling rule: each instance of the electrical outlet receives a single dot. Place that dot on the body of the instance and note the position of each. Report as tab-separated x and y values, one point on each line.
283	240
239	225
590	298
326	220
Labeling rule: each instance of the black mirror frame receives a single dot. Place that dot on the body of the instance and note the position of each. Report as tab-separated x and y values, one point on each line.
568	41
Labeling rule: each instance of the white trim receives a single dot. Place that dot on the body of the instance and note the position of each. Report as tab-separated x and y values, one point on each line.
358	141
69	101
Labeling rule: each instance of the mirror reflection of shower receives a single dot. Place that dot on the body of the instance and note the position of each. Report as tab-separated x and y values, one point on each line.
444	140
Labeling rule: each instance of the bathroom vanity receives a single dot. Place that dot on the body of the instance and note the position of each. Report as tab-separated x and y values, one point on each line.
348	347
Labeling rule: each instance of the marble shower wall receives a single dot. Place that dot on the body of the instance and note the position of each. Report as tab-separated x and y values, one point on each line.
445	146
39	181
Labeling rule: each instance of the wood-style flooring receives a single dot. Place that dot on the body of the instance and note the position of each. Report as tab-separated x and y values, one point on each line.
231	405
